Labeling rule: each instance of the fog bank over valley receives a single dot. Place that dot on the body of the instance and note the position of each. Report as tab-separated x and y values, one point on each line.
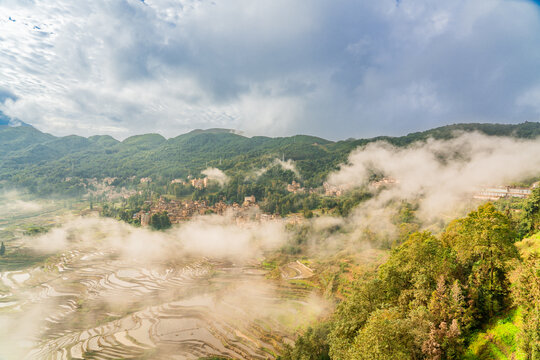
240	284
195	290
441	176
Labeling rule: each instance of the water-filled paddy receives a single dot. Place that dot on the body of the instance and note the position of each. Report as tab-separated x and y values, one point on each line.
93	304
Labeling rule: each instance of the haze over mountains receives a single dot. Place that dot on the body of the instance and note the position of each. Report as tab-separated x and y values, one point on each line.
31	158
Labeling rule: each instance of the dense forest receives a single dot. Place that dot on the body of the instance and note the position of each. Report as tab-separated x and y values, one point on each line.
469	292
47	165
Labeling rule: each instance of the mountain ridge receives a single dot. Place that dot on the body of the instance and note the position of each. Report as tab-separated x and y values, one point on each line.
38	161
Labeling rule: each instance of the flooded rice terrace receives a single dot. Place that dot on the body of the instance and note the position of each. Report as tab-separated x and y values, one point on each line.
92	303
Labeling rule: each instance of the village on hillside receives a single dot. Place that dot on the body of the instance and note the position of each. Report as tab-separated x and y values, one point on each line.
183	210
179	210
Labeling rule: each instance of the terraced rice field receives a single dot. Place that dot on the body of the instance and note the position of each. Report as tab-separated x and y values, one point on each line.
94	305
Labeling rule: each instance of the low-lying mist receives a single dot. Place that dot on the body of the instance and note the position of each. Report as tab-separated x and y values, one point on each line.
12	203
440	177
106	278
216	175
210	236
289	164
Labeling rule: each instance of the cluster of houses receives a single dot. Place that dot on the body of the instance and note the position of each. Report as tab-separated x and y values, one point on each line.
197	183
249	200
179	211
105	189
329	190
386	181
332	190
295	187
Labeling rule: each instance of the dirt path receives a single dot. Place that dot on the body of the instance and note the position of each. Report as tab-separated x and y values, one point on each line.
296	270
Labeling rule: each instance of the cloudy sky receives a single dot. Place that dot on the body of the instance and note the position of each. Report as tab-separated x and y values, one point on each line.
334	68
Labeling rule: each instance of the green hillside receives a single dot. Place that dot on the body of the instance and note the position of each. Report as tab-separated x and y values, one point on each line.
35	160
20	137
470	292
144	142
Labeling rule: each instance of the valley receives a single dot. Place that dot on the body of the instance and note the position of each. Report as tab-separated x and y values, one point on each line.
88	303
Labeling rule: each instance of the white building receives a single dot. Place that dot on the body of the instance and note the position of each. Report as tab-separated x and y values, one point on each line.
499	192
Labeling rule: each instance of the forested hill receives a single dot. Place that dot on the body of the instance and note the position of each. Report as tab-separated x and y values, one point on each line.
35	160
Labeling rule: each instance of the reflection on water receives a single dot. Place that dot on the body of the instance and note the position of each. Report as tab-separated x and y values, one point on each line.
94	305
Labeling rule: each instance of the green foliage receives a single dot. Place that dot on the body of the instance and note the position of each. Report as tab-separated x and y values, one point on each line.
35	230
484	242
532	211
144	142
2	249
450	317
352	314
160	221
17	138
41	162
312	345
526	294
433	292
412	272
498	341
386	336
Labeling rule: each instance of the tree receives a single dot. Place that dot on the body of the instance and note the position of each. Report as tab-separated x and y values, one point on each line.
124	215
386	336
484	242
532	211
160	221
411	273
310	346
2	249
353	313
443	339
526	294
308	214
450	315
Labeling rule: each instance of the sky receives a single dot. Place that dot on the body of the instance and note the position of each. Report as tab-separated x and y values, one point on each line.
335	69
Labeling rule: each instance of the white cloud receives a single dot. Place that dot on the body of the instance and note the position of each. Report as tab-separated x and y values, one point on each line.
272	68
216	175
471	161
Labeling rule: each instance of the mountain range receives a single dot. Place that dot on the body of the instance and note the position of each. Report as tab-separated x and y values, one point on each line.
35	160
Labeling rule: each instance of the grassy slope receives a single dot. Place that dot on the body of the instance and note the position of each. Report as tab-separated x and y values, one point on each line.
499	340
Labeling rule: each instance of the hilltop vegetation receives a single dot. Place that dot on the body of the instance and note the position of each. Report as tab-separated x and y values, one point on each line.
41	162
